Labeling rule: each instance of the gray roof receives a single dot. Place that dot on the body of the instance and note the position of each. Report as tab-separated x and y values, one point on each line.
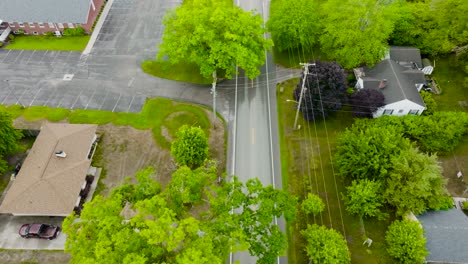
405	55
446	233
55	11
400	81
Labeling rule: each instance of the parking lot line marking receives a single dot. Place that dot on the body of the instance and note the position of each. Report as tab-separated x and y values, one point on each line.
105	96
120	95
56	54
53	96
6	56
21	52
34	98
30	56
92	95
9	92
76	100
23	93
131	102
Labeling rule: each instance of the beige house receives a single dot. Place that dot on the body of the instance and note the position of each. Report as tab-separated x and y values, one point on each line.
54	173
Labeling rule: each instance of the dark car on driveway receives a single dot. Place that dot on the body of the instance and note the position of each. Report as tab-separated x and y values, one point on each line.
43	231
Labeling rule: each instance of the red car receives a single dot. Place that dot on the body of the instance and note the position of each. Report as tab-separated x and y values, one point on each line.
43	231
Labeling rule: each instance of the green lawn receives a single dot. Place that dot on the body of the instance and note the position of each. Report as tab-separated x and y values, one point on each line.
306	167
157	114
450	77
184	72
48	43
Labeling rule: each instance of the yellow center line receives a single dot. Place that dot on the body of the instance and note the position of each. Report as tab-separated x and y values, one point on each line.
253	136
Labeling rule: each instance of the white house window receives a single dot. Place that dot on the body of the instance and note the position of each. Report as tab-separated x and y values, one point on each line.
400	111
413	112
51	25
12	24
60	25
35	33
21	24
31	24
388	111
70	25
41	25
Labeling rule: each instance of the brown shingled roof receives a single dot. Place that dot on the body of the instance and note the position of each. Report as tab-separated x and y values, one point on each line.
46	184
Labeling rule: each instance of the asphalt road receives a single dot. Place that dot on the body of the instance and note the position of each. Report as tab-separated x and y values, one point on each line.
256	151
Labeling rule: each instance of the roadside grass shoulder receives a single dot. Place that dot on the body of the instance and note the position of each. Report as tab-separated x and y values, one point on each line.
67	43
306	164
183	72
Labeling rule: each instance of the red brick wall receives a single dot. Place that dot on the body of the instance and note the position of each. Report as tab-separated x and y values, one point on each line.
46	27
93	14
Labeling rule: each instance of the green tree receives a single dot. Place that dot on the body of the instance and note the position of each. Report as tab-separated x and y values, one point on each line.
313	204
255	207
135	224
186	186
9	136
216	35
294	24
364	198
365	151
356	32
406	242
325	245
190	148
431	105
415	183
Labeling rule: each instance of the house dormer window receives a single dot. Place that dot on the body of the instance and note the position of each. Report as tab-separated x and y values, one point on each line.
388	111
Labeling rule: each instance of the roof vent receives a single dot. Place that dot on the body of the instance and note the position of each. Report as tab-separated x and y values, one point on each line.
383	84
60	154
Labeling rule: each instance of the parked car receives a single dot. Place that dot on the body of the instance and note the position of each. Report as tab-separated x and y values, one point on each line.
43	231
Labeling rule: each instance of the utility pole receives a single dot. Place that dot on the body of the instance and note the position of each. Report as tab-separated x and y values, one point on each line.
213	92
306	72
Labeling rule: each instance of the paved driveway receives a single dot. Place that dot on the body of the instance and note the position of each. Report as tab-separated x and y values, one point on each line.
10	239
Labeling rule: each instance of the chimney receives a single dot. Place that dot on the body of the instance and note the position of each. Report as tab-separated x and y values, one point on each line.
383	84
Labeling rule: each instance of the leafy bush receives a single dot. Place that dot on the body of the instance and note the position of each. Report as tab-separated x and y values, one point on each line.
406	242
49	34
431	105
465	205
325	245
78	31
313	204
11	37
364	198
191	147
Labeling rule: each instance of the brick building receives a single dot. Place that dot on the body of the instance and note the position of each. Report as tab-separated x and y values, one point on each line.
40	16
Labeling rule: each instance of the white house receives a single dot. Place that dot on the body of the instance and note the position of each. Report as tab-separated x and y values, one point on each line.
400	77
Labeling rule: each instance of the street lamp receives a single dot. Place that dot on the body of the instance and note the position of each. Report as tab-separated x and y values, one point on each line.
11	91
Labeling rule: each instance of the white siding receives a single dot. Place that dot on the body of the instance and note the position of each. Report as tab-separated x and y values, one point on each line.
359	84
405	105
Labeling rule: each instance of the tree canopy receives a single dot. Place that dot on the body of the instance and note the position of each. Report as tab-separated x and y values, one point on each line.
294	24
136	223
313	204
365	152
364	198
326	90
325	245
415	183
365	102
406	242
190	147
216	35
356	32
9	135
